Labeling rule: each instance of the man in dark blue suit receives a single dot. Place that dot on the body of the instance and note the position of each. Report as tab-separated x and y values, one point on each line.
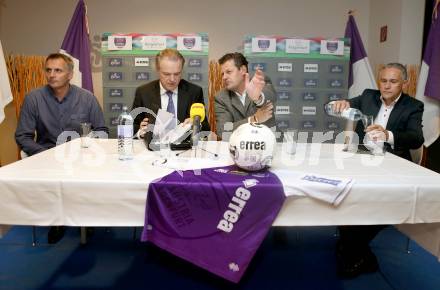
398	124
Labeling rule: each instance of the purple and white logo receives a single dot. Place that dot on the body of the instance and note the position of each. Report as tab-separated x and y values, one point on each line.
116	92
120	42
313	178
195	62
285	82
258	65
307	96
114	121
283	124
308	124
336	68
335	83
115	76
334	97
116	107
189	42
263	44
283	96
195	77
310	83
115	62
332	125
332	46
142	76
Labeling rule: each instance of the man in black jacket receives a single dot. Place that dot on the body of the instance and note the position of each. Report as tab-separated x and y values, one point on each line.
398	124
170	93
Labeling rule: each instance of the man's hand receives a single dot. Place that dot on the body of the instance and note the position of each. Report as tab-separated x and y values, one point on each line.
377	133
339	106
187	121
143	127
255	86
264	113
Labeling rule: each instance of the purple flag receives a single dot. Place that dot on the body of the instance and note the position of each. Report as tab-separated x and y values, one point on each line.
360	75
216	220
76	44
428	85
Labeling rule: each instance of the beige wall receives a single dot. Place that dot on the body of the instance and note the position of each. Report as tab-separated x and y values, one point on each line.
404	19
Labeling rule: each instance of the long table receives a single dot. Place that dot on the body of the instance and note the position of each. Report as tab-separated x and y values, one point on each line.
74	186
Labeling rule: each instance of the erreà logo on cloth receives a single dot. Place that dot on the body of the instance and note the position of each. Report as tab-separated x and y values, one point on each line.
237	204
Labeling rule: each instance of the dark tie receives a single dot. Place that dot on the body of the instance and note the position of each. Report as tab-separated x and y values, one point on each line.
170	109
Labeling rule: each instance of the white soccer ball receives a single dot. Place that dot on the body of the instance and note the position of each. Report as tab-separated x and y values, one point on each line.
252	146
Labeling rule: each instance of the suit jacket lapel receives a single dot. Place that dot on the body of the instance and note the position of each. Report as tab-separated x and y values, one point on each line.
183	99
396	113
155	101
374	110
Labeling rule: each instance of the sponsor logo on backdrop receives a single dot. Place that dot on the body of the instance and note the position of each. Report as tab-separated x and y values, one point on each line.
119	42
336	68
260	44
308	124
334	97
195	77
194	62
141	61
115	61
283	124
308	110
333	47
310	67
154	42
142	76
335	83
310	83
285	82
285	67
283	96
309	96
258	65
115	76
332	125
189	43
115	92
282	110
114	121
297	46
116	107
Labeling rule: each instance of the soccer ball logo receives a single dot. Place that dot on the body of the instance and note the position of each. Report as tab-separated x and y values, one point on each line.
252	146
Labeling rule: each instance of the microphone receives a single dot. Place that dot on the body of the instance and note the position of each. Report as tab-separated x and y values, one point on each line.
197	114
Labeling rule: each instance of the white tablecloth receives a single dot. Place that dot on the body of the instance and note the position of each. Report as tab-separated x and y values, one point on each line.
74	186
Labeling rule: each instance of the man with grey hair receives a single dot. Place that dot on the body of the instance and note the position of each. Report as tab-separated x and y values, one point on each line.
170	93
398	124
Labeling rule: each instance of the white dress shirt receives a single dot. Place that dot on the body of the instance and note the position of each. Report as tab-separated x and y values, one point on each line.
383	116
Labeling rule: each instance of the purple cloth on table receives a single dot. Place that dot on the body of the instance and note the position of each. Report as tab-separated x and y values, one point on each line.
216	219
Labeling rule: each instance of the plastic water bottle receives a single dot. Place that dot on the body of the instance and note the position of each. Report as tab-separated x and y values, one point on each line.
125	135
349	113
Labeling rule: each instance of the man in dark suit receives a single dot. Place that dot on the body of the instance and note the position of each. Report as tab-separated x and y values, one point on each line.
398	124
170	93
